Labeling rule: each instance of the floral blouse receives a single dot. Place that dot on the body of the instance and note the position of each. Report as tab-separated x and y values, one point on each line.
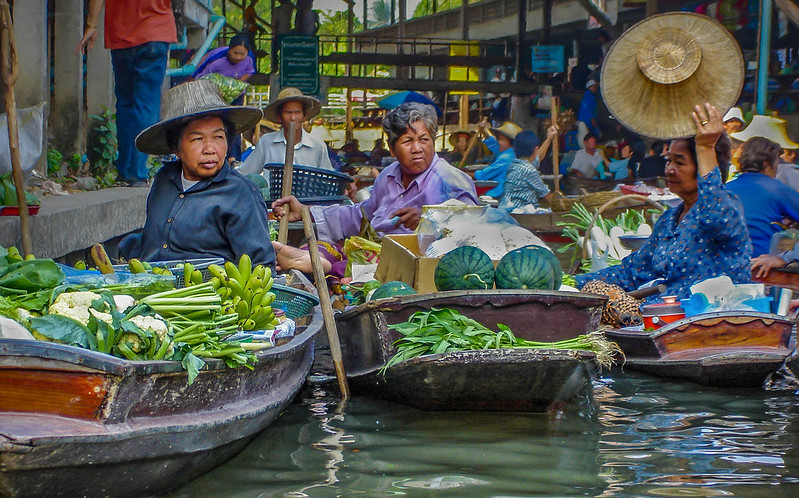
712	240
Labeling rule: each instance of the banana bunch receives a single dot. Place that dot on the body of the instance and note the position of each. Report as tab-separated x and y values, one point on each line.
190	275
138	266
245	290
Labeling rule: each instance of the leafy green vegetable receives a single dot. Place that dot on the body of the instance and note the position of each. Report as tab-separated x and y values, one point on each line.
192	365
444	330
65	330
30	276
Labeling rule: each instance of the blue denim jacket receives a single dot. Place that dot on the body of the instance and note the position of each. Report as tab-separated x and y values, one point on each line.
224	216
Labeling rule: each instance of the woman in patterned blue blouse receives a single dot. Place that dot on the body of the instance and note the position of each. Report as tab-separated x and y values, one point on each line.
703	237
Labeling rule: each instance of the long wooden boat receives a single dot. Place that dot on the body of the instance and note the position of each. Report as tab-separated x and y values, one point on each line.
80	423
572	184
729	349
504	380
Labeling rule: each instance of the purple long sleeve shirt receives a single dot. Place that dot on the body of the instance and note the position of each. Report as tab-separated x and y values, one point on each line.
439	183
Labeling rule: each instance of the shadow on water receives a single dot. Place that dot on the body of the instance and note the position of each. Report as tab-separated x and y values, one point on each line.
640	436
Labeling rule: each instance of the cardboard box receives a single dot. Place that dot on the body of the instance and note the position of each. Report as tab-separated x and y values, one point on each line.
400	259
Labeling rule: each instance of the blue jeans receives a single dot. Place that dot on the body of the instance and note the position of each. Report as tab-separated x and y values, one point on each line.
138	75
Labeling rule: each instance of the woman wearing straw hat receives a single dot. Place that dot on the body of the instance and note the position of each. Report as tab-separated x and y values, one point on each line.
198	206
290	106
705	236
459	140
766	201
501	145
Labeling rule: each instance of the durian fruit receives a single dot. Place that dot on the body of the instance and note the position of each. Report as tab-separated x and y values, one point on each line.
621	310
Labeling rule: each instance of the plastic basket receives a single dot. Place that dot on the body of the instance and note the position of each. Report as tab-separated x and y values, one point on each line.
318	201
201	264
307	182
296	303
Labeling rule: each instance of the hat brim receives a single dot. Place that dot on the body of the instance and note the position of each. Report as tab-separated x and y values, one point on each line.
500	131
153	139
453	137
664	110
312	107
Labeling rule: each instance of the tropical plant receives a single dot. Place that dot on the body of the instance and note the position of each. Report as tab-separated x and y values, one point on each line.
103	143
381	10
425	7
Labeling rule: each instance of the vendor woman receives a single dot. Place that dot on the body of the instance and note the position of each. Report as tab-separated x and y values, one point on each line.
703	237
199	207
419	177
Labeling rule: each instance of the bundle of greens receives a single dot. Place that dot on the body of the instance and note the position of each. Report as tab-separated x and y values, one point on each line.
446	330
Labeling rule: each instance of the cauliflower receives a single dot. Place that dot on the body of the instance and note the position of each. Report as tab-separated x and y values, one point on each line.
77	305
154	324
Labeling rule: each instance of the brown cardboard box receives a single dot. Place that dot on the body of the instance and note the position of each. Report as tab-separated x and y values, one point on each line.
400	259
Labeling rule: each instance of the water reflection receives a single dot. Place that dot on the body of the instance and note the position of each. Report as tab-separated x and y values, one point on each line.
641	436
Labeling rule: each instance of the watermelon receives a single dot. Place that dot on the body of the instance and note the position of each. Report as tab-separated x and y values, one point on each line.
392	289
554	261
528	268
464	268
258	180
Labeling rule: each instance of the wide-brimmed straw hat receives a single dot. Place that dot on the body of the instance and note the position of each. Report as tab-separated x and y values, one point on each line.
507	128
291	94
658	70
767	127
453	137
191	100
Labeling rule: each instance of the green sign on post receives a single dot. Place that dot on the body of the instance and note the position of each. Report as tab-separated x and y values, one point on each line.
299	63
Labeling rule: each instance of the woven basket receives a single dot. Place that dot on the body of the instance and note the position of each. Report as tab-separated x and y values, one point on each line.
597	199
307	182
296	303
561	204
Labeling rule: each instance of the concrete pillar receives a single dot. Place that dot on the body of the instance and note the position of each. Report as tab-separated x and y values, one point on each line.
99	75
33	82
67	112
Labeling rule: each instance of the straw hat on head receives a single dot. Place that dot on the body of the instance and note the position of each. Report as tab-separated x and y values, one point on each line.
767	127
192	100
658	70
291	94
734	113
507	128
453	137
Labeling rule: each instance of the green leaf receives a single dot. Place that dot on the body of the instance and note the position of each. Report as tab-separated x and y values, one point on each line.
64	330
192	365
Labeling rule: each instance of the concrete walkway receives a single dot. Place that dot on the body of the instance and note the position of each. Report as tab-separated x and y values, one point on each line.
75	222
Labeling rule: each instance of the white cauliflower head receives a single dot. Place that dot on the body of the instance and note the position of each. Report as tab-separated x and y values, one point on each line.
77	305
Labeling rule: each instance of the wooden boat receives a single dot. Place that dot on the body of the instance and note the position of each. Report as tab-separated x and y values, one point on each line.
75	422
573	184
729	349
499	380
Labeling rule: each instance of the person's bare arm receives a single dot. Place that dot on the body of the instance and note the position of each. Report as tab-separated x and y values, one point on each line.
709	127
552	132
90	32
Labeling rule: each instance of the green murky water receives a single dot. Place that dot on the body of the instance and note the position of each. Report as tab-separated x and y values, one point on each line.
641	436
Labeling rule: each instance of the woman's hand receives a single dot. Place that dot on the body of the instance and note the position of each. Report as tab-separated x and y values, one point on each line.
552	132
764	263
709	125
408	216
294	208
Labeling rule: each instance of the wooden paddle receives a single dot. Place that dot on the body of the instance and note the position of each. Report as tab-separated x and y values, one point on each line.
288	178
555	146
324	302
9	70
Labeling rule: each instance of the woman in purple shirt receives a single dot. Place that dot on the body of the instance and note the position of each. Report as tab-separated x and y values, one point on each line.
418	178
233	61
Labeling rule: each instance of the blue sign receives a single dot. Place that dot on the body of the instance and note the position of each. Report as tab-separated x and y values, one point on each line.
548	58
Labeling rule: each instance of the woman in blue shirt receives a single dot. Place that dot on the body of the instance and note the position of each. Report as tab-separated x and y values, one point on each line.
502	148
766	201
703	237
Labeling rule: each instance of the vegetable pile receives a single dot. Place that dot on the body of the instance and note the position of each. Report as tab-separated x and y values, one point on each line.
8	193
446	330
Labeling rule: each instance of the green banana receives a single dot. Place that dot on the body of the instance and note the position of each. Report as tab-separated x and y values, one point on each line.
187	269
243	309
80	265
218	272
268	299
232	272
217	284
235	288
196	277
136	266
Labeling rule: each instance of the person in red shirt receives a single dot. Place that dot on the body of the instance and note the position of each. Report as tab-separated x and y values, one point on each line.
138	35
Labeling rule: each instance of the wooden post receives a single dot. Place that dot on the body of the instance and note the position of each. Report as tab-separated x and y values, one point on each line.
473	141
555	145
348	116
9	70
288	178
463	111
324	302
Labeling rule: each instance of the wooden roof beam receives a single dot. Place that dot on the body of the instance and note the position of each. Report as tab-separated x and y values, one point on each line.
600	16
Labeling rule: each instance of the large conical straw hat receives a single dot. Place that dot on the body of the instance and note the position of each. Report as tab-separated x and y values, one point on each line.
659	69
767	127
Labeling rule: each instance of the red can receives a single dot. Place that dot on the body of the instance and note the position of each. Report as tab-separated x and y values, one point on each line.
659	314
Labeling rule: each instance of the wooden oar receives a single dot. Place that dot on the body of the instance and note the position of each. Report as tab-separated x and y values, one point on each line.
470	147
555	146
324	302
9	71
288	178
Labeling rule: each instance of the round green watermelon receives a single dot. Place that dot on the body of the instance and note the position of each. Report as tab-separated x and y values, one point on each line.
392	289
464	268
527	268
554	261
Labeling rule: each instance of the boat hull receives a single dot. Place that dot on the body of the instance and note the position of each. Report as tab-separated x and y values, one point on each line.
493	380
730	349
151	432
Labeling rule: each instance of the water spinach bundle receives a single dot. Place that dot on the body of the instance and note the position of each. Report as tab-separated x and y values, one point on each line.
446	330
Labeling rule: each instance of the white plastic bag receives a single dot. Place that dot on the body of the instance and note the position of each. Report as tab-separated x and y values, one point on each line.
30	123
